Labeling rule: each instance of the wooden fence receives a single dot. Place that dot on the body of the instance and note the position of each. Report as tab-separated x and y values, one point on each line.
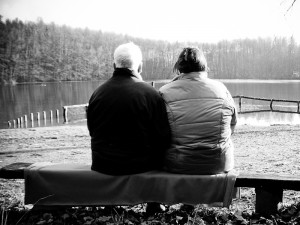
73	113
24	122
271	105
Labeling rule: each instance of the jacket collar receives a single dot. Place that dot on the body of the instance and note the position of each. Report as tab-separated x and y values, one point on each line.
191	76
126	72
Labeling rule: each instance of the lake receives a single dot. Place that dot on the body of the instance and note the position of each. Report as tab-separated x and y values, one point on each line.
23	99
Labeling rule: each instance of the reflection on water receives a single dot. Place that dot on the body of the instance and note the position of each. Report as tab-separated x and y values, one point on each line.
24	99
268	118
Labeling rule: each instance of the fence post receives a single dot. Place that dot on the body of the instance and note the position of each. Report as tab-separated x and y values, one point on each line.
44	117
271	103
38	118
240	103
51	116
25	121
9	124
21	121
31	120
14	123
57	116
18	122
65	114
86	108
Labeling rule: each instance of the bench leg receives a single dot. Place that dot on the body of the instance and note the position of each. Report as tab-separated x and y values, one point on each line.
267	200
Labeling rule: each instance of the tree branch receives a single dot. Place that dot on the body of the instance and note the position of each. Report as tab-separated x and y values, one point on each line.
291	5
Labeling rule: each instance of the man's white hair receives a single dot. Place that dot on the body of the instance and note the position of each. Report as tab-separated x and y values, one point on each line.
128	55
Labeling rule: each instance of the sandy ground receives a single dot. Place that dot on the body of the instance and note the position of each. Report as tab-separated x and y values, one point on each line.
258	149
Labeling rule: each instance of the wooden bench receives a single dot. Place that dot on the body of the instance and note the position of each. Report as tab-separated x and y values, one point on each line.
269	188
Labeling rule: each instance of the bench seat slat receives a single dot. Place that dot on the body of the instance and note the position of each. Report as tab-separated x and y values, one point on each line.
268	180
16	171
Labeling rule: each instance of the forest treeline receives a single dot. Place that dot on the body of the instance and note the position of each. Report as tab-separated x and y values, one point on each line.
38	52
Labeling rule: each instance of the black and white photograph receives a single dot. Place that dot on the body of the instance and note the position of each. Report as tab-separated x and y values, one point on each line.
149	112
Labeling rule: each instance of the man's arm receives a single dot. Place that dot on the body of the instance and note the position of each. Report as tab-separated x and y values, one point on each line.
161	126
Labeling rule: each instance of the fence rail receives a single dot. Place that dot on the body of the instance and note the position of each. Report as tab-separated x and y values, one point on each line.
74	112
271	105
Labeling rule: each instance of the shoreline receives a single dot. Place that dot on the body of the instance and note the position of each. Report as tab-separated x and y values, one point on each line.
255	80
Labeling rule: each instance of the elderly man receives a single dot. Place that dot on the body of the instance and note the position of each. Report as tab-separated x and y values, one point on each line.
127	119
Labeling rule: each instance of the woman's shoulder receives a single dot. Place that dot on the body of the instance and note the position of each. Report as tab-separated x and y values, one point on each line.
174	84
215	85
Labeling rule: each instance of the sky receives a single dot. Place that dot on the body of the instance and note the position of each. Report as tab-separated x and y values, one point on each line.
205	21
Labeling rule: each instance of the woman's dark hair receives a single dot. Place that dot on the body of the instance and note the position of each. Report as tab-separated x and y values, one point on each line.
190	60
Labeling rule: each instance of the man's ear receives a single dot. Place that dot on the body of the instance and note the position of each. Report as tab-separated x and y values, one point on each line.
140	68
115	66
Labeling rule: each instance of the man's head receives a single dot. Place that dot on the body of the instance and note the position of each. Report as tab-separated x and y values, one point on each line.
190	60
128	56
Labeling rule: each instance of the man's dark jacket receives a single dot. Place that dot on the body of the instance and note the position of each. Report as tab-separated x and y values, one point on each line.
128	124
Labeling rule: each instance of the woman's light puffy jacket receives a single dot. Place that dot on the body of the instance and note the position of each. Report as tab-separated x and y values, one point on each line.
202	116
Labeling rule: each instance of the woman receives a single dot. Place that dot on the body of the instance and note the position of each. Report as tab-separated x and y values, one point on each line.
202	116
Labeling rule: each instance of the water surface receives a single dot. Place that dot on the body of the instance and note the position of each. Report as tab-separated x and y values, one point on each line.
23	99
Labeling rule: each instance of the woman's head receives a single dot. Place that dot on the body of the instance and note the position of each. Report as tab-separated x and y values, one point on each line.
190	60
